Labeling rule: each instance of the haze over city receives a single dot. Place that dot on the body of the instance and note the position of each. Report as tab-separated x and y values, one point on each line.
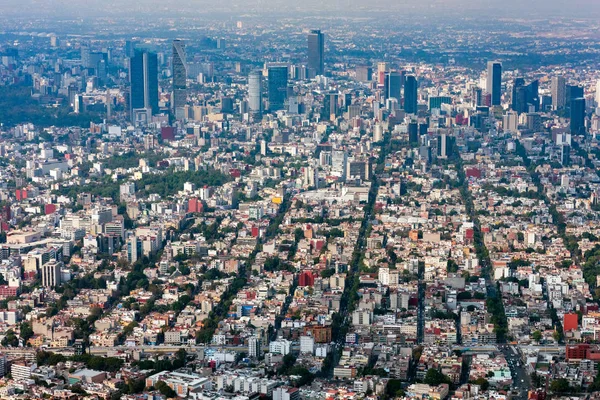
315	200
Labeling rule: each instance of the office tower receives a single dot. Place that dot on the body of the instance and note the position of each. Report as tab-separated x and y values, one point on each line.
534	122
477	97
143	78
129	48
179	78
330	106
494	81
565	155
277	87
510	121
518	95
364	74
51	273
347	99
339	160
525	97
410	94
316	52
413	133
558	88
445	144
546	103
382	69
577	116
572	92
442	145
353	111
102	71
393	85
85	56
598	93
255	92
533	95
437	101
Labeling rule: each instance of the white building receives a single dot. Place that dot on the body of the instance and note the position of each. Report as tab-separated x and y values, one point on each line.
307	344
280	346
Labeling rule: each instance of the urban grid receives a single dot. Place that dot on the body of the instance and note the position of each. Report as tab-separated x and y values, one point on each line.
287	204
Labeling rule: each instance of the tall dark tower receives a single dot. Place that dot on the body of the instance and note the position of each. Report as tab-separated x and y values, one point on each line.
410	94
494	81
519	96
277	87
179	78
143	78
577	115
316	52
393	85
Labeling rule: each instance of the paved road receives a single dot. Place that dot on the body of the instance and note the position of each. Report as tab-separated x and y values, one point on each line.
519	374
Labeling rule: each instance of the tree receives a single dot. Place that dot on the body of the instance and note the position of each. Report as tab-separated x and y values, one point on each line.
434	377
26	331
560	385
165	390
483	383
536	336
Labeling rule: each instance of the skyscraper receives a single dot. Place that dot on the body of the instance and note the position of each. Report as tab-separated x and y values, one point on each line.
330	105
572	92
255	92
558	87
577	115
525	96
393	85
179	78
277	87
494	81
382	69
316	52
410	94
143	78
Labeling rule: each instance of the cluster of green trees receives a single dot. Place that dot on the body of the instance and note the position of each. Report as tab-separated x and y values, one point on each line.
434	377
274	264
169	183
108	364
17	106
288	368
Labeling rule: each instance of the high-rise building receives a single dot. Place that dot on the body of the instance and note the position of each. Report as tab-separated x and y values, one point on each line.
51	273
410	94
598	93
572	92
565	155
179	78
393	85
277	87
577	116
494	81
143	78
510	121
382	69
255	92
558	88
316	52
253	346
129	48
330	105
364	73
444	145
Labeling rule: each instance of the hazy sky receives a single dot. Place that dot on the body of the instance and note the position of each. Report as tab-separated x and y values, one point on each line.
514	8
